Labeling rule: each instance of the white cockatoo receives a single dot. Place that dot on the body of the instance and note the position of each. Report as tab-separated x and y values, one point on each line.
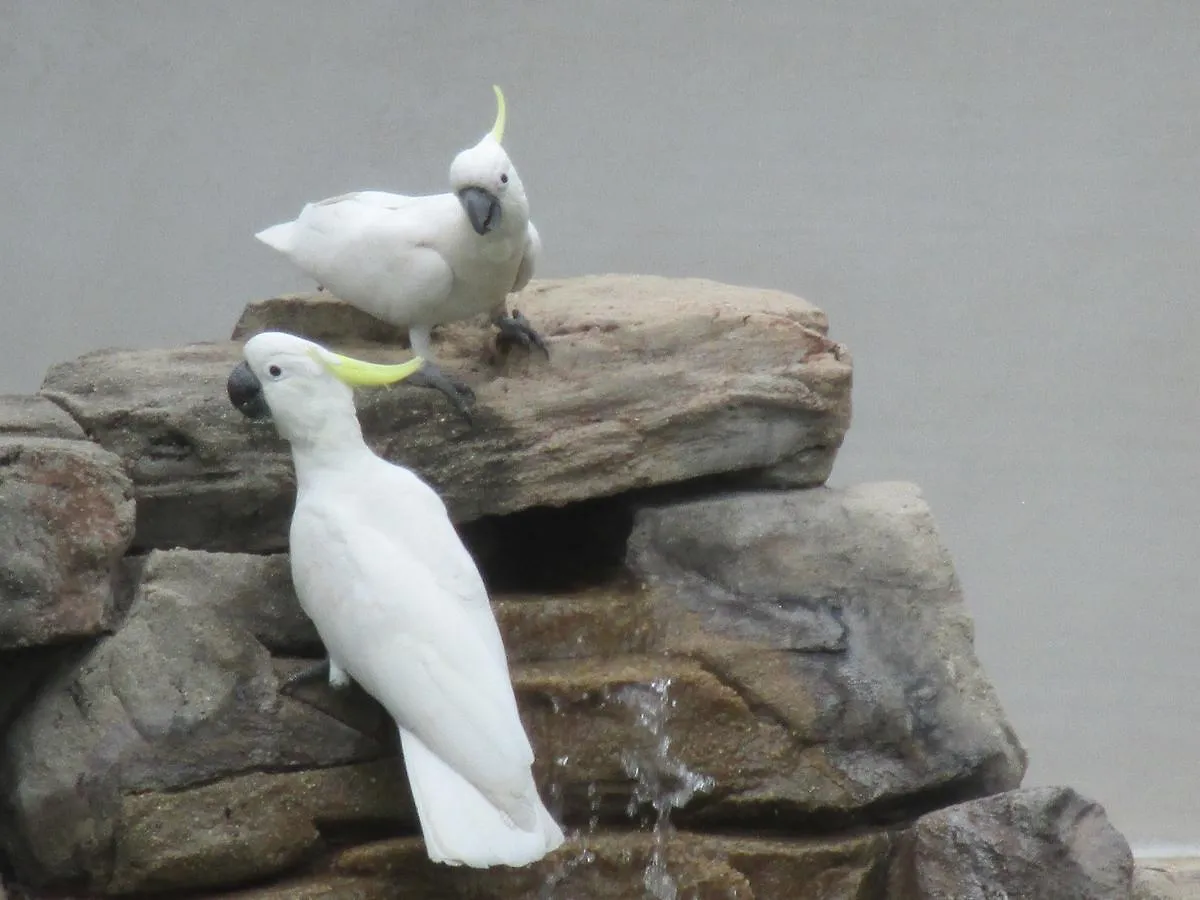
418	262
400	606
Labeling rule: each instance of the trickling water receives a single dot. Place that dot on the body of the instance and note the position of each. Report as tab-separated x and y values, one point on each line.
557	806
562	872
661	782
660	779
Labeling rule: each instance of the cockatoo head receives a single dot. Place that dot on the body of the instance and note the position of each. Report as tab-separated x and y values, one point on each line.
304	388
486	181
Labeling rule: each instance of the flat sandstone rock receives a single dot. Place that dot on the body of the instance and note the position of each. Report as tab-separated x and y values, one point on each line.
650	381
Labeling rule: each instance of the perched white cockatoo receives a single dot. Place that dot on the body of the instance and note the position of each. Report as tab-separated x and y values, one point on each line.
400	606
418	262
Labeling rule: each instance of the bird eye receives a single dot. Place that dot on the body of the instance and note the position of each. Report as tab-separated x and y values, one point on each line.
275	371
504	179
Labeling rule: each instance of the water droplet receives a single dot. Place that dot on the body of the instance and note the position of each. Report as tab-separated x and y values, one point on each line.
661	781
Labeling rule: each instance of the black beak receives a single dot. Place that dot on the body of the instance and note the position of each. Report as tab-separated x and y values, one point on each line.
246	393
483	209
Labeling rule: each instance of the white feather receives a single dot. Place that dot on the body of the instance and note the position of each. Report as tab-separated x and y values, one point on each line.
417	262
402	610
445	801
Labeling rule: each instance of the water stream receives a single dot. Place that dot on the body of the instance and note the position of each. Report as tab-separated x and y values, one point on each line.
662	783
661	780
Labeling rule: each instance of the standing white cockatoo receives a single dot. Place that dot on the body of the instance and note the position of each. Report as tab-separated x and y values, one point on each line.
418	262
400	606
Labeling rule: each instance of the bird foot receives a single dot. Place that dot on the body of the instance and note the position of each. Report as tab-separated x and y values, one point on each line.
515	329
460	395
315	672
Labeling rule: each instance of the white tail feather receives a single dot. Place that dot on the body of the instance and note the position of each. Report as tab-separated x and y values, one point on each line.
463	828
278	236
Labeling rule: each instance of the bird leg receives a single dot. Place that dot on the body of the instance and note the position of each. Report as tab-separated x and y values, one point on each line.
339	678
316	671
515	329
430	375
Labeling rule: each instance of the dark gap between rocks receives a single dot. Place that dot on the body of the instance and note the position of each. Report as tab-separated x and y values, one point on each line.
547	549
338	835
551	549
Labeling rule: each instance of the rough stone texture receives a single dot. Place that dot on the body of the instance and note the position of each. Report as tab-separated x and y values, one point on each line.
248	827
319	317
150	763
1166	879
181	695
793	664
596	622
32	416
834	616
1037	844
323	887
612	866
244	589
583	732
651	381
66	518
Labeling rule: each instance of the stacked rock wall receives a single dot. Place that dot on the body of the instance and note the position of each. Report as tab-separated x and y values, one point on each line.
738	682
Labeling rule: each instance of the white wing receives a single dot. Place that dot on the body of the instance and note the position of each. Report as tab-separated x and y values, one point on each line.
418	517
533	249
373	250
381	199
413	644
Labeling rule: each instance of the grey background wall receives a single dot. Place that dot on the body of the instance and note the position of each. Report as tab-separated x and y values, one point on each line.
996	203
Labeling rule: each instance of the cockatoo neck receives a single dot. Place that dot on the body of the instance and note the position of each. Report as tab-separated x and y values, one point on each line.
330	438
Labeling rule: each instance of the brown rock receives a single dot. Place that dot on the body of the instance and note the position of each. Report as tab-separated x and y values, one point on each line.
623	865
597	726
604	298
249	827
66	518
1037	844
24	415
603	621
651	381
323	887
183	694
319	317
836	616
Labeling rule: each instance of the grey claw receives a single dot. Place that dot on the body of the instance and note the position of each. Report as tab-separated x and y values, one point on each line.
459	394
515	329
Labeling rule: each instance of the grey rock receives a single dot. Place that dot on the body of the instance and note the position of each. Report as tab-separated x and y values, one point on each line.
319	317
181	695
837	616
1167	879
651	381
25	415
1038	844
66	518
597	622
248	827
619	866
249	590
